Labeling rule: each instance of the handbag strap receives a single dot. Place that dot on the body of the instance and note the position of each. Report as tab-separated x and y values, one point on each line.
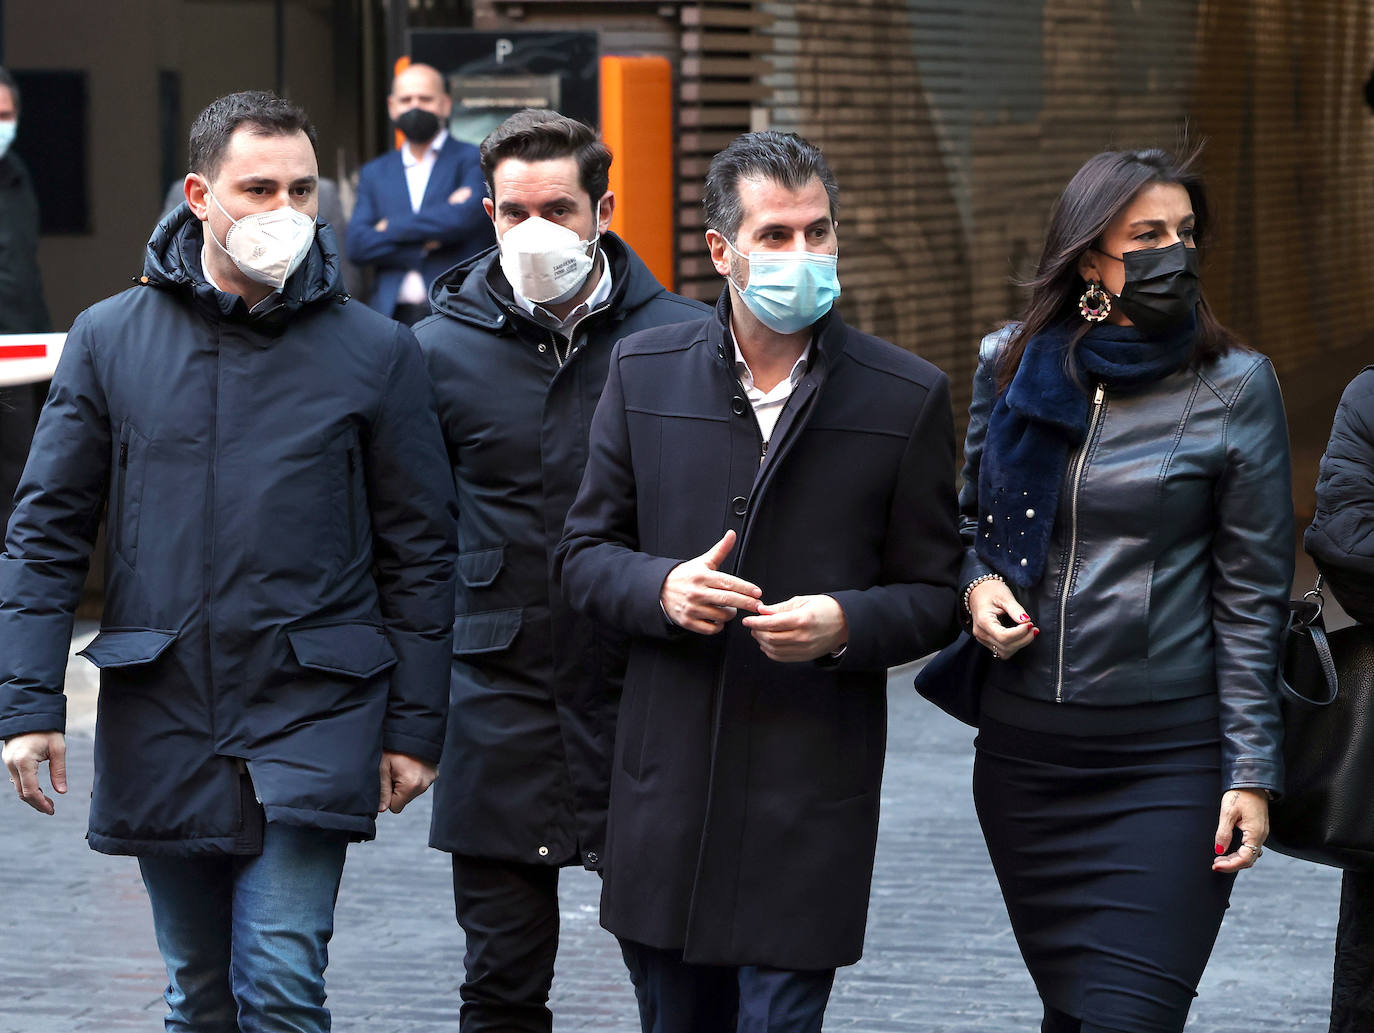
1305	621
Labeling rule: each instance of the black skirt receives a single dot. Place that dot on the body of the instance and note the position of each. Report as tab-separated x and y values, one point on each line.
1103	846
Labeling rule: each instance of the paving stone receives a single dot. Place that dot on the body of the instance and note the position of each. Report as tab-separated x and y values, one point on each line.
78	953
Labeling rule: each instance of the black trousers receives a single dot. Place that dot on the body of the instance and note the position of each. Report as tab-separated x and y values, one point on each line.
509	912
1352	988
677	997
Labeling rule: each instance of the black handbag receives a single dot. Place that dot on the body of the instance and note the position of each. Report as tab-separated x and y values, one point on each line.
1326	685
953	678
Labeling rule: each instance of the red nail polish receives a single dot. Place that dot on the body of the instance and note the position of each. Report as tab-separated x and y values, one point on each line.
1025	617
1221	849
1035	632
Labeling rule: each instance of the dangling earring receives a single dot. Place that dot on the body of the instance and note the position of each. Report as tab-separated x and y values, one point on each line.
1096	304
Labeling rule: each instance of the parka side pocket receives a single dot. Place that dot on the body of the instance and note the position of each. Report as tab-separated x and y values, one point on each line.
355	649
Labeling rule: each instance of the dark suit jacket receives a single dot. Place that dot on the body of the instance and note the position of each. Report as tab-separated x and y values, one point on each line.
744	792
462	229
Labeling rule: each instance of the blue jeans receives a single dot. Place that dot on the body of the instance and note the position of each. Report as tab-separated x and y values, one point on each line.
245	939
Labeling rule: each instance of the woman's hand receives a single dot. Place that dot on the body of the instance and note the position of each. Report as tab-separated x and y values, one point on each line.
988	603
1248	811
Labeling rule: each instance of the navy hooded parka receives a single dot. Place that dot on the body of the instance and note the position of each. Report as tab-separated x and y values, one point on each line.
278	578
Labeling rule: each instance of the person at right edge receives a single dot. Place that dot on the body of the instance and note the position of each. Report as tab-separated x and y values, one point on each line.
1340	543
1128	522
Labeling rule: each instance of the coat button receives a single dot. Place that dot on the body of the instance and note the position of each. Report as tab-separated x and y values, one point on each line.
1030	514
737	404
989	518
543	851
592	857
1024	561
740	504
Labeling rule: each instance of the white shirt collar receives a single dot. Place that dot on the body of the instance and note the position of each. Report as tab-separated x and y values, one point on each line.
746	375
435	146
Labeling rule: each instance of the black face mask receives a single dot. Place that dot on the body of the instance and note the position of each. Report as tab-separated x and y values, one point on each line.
1162	287
418	125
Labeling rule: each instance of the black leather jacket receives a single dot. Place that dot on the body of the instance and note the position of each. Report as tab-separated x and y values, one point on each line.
1171	556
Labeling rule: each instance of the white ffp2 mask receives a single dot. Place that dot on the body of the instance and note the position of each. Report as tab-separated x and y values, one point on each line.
544	261
267	247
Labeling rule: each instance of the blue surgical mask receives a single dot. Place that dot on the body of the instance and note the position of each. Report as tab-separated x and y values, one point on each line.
789	290
7	131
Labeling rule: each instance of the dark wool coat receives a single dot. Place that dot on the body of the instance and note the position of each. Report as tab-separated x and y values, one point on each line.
744	792
280	550
534	686
1341	538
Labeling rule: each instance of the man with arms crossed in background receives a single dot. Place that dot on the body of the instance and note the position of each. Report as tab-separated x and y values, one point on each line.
278	577
419	209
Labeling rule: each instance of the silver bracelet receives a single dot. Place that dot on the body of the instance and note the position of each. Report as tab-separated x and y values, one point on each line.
968	588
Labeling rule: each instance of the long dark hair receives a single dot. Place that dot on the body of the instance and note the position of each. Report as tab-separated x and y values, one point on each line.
1099	192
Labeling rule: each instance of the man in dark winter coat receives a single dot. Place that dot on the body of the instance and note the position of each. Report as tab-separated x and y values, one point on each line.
22	308
809	469
518	357
275	645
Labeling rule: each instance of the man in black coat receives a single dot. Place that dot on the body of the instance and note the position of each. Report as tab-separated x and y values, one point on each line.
274	647
768	510
22	308
518	355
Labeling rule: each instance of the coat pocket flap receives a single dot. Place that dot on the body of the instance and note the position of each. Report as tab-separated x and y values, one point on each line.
126	647
485	632
480	567
357	650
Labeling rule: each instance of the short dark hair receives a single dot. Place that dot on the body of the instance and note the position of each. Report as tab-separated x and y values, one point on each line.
784	158
265	114
537	134
7	80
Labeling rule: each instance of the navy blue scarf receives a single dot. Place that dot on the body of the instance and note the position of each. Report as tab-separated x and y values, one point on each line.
1040	418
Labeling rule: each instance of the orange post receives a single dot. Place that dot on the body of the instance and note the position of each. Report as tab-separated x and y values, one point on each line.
637	125
402	63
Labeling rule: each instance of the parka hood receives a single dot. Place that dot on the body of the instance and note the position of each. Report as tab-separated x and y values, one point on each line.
476	290
172	262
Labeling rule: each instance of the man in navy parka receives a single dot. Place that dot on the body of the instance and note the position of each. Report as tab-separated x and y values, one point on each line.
275	645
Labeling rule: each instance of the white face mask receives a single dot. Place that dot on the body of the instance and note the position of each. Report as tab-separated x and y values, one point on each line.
7	131
266	246
544	261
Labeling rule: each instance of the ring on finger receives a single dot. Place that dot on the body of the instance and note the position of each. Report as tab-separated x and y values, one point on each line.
1255	851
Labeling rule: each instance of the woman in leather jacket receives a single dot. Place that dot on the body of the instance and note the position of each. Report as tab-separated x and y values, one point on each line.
1339	539
1128	520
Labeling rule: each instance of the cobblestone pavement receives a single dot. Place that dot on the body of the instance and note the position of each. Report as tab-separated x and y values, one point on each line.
78	954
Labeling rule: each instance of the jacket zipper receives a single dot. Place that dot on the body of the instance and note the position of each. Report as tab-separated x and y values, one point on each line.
117	517
1080	461
349	503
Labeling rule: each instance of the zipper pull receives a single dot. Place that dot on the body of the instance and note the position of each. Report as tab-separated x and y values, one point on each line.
1097	398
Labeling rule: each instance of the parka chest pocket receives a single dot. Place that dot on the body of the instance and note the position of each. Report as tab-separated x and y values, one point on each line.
126	496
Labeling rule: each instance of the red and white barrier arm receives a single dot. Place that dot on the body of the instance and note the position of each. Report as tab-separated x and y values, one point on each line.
28	358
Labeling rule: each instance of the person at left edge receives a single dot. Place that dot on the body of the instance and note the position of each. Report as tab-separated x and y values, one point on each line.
518	355
279	575
418	209
22	308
